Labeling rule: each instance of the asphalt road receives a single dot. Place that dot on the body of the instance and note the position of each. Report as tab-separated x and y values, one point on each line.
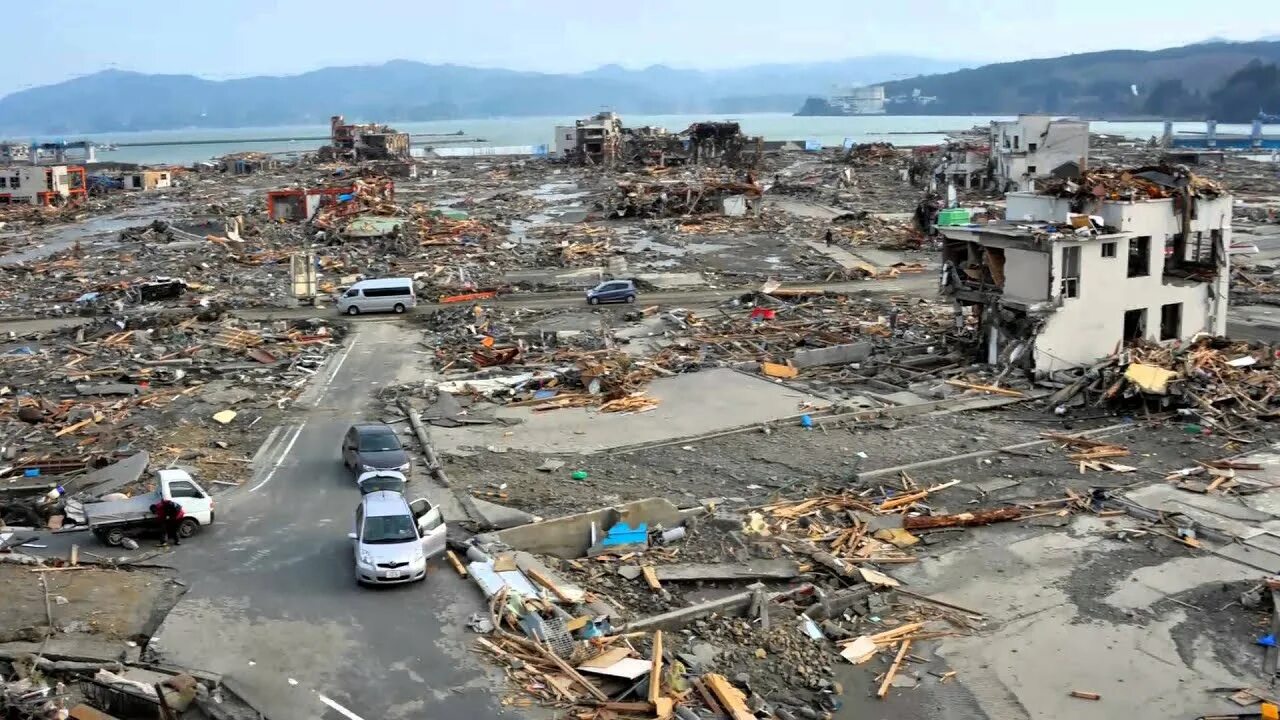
273	601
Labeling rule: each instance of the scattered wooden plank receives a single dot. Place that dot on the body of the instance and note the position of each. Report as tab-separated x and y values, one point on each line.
655	672
72	428
1084	695
893	669
730	697
986	388
651	577
456	563
538	577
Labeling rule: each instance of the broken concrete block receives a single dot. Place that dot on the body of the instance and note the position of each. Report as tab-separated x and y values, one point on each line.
834	355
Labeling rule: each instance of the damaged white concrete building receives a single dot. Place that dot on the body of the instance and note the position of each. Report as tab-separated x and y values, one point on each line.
1083	277
1035	147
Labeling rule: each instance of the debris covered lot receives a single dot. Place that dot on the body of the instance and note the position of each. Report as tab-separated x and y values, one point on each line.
788	481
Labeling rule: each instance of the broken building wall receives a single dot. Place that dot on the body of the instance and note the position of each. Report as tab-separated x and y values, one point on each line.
1033	146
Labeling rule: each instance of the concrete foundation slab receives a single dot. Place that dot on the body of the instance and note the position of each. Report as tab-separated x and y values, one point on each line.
689	404
570	536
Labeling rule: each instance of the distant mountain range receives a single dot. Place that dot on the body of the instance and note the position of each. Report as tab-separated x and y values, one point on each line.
400	90
1202	80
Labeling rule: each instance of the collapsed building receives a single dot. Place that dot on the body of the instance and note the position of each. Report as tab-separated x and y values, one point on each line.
358	142
42	184
603	140
1082	269
1035	147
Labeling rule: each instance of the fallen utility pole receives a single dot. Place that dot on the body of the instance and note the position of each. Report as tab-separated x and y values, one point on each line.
967	519
435	467
984	453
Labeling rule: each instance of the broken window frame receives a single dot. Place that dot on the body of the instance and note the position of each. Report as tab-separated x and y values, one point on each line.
1069	286
1170	327
1140	326
1139	262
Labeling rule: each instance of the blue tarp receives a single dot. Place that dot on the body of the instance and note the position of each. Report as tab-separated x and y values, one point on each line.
623	534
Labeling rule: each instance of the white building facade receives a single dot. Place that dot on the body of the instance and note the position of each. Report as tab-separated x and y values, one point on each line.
1035	147
1050	297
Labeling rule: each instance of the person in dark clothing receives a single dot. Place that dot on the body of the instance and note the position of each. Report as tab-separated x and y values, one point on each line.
170	515
829	238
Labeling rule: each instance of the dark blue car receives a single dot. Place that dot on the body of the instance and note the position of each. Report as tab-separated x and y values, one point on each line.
612	291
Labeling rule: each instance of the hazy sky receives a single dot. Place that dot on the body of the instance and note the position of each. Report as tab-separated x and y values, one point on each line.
231	38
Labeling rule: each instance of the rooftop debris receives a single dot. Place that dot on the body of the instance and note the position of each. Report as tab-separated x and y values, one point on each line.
1151	182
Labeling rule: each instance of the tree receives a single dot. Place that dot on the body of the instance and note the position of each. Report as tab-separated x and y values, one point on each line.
1253	88
1170	98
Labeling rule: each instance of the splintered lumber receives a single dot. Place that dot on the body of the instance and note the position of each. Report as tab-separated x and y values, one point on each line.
540	578
1083	695
567	669
912	498
893	669
986	388
730	697
456	563
965	519
889	636
655	673
651	577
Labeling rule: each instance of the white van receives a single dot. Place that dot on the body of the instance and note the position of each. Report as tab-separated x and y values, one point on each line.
383	295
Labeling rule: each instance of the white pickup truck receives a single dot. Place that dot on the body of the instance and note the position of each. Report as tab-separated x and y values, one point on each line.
114	520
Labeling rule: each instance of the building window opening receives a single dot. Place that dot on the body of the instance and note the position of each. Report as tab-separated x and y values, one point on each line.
1015	142
1071	271
1031	169
1171	321
1135	325
1108	249
1140	257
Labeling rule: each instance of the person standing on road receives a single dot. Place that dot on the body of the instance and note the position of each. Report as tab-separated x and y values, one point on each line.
170	515
829	238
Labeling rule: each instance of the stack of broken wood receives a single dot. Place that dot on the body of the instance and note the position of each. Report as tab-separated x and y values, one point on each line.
1228	386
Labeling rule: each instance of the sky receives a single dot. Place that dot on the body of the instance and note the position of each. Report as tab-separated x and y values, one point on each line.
219	39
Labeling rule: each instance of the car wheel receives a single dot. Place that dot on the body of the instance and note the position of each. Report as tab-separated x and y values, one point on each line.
593	301
188	527
353	310
399	308
113	537
631	298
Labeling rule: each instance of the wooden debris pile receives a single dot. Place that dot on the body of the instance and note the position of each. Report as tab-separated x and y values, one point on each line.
77	394
671	198
1151	182
1224	386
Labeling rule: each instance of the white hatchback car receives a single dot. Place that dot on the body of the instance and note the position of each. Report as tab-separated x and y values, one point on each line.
393	538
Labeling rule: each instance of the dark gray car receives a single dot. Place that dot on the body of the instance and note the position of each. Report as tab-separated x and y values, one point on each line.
373	446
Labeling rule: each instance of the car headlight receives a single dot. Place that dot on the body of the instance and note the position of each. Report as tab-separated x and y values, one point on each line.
367	468
404	467
366	558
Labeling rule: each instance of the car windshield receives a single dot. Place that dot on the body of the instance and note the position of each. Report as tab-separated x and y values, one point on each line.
388	529
378	442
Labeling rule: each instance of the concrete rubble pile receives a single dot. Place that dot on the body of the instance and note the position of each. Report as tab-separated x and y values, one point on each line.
75	399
